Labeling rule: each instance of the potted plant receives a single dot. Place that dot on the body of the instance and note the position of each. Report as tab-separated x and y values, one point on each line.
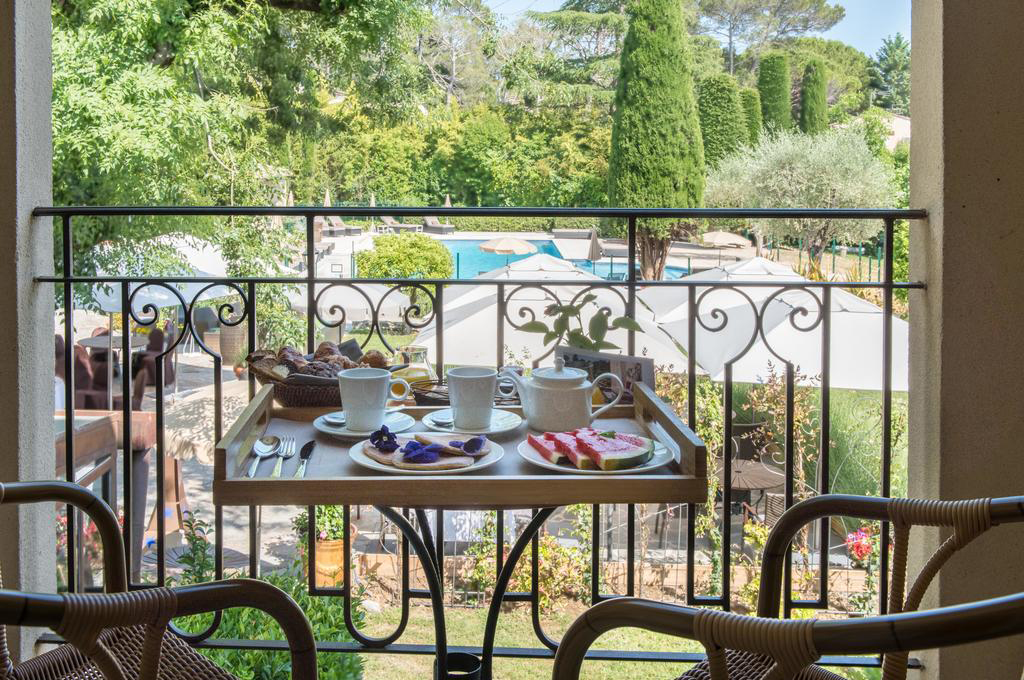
330	542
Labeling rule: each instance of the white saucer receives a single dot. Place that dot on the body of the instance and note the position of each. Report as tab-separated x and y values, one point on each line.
501	422
661	457
336	419
360	458
396	422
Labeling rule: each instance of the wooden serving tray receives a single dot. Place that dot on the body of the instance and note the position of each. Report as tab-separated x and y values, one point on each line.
332	477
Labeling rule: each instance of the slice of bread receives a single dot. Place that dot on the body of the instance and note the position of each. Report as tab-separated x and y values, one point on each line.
443	463
443	440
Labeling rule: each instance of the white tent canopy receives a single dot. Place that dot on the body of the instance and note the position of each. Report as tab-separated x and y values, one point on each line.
727	325
471	315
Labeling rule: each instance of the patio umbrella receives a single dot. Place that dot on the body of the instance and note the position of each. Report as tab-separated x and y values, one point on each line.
856	329
508	246
355	305
671	303
447	200
470	320
595	253
724	239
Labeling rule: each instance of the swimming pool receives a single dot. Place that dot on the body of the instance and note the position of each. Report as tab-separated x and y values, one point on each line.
468	261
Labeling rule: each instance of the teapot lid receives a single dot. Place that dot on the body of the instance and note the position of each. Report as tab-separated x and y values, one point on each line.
560	375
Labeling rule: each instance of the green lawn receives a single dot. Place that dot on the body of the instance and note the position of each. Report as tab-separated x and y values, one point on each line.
465	626
395	341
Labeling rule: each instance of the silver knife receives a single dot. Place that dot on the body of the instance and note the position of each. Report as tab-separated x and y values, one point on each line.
304	454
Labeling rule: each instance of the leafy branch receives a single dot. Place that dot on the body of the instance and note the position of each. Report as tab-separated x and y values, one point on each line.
583	336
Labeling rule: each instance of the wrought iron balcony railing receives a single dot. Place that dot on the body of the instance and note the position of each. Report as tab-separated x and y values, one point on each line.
435	290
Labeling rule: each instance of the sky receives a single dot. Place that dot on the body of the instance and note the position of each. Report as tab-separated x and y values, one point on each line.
866	22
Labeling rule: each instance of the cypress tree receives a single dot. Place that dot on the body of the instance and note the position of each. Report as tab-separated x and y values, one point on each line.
774	85
657	155
751	99
723	124
814	98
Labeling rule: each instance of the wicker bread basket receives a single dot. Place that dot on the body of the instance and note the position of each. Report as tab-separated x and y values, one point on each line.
298	395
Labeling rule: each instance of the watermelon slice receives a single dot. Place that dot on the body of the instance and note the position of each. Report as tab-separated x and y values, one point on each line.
546	449
614	451
567	444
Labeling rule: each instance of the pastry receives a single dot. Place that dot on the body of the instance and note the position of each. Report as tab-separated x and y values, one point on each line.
325	351
374	358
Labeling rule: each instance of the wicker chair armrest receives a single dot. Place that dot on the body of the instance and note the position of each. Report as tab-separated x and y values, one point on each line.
960	624
114	571
1003	510
88	614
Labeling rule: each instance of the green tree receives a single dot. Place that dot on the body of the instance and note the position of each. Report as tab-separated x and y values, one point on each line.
751	100
891	75
733	20
774	85
723	124
657	157
814	98
834	169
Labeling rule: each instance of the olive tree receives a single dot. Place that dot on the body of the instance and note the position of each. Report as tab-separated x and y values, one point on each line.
834	169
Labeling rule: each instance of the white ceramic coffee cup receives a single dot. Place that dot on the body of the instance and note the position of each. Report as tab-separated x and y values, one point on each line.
364	396
471	391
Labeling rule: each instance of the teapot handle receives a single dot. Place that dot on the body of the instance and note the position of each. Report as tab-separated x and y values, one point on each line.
622	388
512	378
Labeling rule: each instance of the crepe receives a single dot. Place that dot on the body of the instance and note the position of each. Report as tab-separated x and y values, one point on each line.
376	454
442	463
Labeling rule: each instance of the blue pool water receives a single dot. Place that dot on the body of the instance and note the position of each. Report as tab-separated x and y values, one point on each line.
469	261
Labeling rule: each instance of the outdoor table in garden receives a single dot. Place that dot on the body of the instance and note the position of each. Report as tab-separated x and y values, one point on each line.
332	478
107	342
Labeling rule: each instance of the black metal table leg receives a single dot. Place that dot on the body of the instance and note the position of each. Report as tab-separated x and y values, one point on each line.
433	584
501	586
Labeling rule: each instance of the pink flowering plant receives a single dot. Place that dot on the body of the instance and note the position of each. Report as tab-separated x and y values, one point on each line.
862	547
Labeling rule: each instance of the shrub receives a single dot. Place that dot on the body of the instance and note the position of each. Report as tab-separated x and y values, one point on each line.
325	614
774	85
404	256
751	100
814	98
723	125
657	157
513	224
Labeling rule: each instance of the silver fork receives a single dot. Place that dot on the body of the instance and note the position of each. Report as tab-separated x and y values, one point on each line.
286	451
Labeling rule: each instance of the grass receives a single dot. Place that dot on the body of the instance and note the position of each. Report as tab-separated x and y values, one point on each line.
395	341
465	626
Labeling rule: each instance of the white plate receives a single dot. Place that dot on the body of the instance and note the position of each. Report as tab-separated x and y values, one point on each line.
396	422
360	458
501	421
661	457
336	419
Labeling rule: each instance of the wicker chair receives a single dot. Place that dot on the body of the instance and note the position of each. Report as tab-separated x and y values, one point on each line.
764	647
123	635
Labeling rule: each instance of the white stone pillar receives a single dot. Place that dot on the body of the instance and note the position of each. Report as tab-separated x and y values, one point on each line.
967	328
27	535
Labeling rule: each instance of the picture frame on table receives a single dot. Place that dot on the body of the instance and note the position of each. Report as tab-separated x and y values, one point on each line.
629	369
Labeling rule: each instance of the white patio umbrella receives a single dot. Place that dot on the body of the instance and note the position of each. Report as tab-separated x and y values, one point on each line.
670	303
594	252
856	332
352	302
724	239
507	245
471	316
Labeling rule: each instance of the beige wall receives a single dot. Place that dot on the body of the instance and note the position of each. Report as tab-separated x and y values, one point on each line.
26	309
967	328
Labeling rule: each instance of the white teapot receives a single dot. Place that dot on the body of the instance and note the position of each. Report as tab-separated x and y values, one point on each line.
559	399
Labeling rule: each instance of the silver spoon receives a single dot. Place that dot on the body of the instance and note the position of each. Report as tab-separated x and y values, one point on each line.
286	451
262	448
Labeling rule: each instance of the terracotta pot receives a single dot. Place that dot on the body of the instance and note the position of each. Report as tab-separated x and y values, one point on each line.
330	560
